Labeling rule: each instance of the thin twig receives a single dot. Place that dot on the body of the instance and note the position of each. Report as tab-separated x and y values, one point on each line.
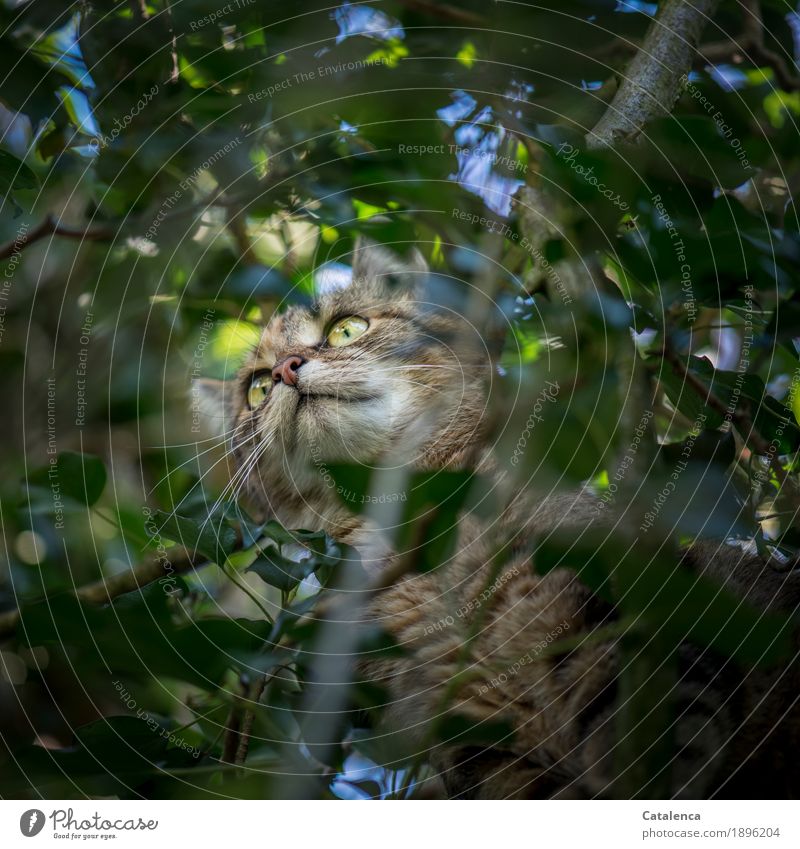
139	8
256	691
237	226
753	36
107	233
446	12
175	72
230	743
50	226
737	416
751	45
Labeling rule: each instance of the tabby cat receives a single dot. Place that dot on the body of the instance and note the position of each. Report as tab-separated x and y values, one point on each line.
380	373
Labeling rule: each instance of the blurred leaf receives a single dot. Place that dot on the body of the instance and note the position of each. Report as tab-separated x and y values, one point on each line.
111	755
679	606
15	174
79	477
137	637
257	282
683	606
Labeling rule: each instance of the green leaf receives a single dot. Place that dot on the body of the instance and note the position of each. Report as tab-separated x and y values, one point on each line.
15	174
654	592
644	715
432	498
280	572
683	606
736	390
352	484
275	531
212	537
259	282
708	447
111	755
79	477
434	502
585	555
137	637
311	551
696	145
683	396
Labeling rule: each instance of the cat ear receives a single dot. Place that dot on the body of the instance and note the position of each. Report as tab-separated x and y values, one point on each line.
373	262
211	405
370	260
417	262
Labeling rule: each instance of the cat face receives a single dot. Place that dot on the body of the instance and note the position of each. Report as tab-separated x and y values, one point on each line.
375	373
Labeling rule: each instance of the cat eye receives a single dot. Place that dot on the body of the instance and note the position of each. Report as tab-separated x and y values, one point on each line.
258	389
346	330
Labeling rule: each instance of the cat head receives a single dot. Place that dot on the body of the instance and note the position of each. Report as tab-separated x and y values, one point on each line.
378	372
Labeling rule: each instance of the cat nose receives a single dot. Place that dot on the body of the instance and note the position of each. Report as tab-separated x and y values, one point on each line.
286	370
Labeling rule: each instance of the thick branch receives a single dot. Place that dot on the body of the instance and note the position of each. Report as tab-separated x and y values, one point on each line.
653	80
107	589
749	46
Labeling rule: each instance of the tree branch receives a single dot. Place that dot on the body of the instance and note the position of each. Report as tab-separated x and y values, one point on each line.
650	89
246	729
753	42
50	226
175	73
652	83
107	589
237	226
230	743
750	45
446	12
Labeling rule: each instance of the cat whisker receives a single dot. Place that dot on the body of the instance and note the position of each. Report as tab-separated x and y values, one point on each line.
197	457
198	482
191	459
419	368
344	398
240	477
251	464
218	438
228	454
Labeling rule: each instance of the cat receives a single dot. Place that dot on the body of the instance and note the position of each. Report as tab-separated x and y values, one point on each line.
384	374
